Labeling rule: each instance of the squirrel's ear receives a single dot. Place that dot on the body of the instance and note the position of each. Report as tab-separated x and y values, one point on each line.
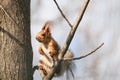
43	27
46	25
48	29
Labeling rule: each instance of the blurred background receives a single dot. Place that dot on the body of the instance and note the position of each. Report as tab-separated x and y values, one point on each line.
99	24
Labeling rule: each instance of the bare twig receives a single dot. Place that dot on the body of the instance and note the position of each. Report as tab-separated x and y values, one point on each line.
72	32
68	41
87	54
62	13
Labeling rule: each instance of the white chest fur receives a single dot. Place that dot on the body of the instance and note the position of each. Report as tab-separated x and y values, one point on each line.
46	57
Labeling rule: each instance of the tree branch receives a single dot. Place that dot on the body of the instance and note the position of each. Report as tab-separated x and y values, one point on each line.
68	41
72	32
63	14
87	54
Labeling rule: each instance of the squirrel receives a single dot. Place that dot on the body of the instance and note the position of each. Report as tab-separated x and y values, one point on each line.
49	51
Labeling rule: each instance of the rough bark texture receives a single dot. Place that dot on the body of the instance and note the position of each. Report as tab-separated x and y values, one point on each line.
15	41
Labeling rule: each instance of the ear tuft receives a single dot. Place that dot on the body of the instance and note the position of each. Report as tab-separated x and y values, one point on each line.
43	27
46	25
47	29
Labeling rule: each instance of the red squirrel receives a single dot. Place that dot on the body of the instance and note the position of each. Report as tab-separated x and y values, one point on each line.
49	51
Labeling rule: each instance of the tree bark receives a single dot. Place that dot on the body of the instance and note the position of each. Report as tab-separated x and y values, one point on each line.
15	40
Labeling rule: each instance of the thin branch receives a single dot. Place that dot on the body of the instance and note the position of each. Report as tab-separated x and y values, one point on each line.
68	41
73	30
77	58
63	14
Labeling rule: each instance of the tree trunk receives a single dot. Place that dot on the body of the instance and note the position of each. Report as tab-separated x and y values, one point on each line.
15	40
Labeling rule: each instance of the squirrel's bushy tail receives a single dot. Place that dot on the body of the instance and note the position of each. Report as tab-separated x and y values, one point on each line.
67	66
69	54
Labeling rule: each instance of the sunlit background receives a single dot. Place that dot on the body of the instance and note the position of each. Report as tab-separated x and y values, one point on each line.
100	24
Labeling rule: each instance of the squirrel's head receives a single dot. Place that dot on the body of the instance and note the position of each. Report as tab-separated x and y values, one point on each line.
44	35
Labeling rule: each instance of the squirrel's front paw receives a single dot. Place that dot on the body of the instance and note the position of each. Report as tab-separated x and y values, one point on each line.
41	51
42	68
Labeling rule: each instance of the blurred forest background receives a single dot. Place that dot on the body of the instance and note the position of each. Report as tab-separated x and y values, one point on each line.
100	24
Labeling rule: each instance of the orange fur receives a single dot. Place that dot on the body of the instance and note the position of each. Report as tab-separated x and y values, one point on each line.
43	70
49	47
53	47
40	50
49	50
44	36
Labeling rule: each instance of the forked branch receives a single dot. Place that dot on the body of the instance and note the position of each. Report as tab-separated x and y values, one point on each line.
73	30
68	41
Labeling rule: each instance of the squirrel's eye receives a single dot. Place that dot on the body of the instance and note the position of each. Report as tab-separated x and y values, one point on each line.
43	34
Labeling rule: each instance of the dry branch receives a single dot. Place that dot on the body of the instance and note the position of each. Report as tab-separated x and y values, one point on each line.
68	41
62	14
87	54
73	29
